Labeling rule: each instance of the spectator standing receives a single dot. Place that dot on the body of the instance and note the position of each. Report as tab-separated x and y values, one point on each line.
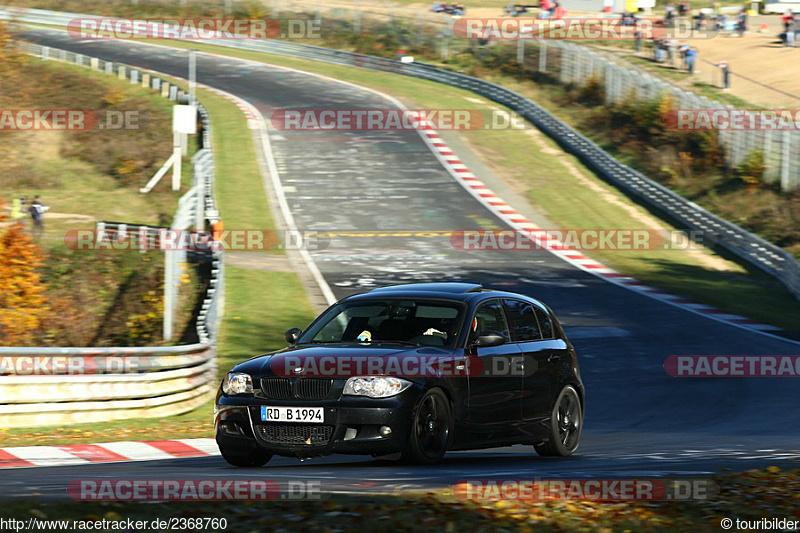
683	49
742	26
691	58
544	9
787	18
37	211
790	33
17	209
672	50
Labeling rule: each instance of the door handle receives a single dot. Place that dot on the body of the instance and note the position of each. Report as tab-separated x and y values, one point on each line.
553	357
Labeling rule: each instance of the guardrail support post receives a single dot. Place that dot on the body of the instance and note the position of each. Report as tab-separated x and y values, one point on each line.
543	56
192	77
168	293
785	157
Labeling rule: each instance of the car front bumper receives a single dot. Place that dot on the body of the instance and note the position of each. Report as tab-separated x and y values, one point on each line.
350	426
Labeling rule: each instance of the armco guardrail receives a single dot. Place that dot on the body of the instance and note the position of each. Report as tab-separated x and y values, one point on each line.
55	386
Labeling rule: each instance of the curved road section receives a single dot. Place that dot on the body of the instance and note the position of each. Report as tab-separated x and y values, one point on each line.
639	421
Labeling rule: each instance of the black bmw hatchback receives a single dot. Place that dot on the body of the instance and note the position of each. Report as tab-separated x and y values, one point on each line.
414	369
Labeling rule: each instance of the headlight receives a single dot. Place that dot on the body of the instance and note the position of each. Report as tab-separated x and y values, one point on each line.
375	387
237	383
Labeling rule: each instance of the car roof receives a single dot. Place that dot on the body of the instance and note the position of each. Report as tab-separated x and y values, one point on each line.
461	292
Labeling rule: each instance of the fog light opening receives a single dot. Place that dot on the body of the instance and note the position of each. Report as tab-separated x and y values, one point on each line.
232	428
385	431
350	434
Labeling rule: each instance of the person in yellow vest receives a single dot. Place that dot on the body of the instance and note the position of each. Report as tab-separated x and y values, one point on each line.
17	212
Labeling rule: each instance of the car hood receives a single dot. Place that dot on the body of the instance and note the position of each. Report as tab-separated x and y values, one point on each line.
276	363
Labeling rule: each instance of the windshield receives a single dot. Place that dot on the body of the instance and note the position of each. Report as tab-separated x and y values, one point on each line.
418	322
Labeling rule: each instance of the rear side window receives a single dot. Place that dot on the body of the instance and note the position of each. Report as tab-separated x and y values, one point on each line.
545	323
522	318
489	316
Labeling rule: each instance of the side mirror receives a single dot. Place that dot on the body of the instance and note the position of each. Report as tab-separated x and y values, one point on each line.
490	337
292	335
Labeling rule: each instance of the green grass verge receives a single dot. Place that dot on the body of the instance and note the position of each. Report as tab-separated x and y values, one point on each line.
259	307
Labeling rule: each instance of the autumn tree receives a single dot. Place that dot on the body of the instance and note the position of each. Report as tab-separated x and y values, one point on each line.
23	306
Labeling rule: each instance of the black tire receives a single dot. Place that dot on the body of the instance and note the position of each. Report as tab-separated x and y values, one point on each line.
255	459
566	424
431	429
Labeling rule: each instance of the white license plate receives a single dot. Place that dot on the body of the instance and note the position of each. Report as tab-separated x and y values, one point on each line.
306	415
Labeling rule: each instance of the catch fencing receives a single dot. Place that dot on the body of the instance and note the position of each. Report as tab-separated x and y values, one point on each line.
58	386
623	82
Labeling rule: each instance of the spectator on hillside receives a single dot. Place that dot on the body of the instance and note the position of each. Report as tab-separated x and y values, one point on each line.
672	50
37	211
691	58
544	9
669	18
437	7
700	21
682	50
790	34
787	19
660	50
17	209
742	26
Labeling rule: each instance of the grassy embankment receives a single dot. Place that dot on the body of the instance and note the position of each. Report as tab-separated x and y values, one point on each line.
260	304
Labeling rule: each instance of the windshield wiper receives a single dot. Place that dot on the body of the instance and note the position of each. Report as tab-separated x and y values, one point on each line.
404	343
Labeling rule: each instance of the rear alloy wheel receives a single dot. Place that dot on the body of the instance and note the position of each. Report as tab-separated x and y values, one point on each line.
566	423
431	429
255	459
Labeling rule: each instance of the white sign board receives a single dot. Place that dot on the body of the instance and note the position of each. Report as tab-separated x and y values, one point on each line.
184	119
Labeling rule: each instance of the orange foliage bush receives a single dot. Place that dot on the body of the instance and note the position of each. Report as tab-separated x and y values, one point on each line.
23	306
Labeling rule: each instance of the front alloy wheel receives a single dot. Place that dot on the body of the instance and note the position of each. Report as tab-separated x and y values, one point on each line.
431	429
566	423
